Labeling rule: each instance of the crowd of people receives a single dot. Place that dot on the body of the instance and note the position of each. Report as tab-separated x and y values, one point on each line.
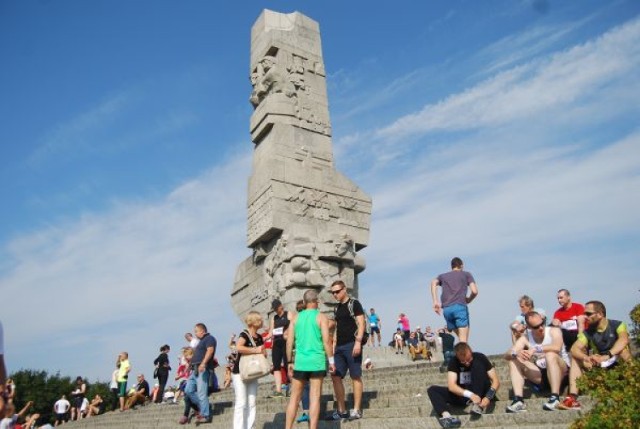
306	344
543	353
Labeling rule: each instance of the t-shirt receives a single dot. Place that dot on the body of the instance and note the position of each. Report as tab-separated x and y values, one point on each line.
123	371
346	326
85	404
61	406
404	322
201	350
454	287
601	340
479	367
258	341
374	320
114	379
9	422
568	317
144	386
447	341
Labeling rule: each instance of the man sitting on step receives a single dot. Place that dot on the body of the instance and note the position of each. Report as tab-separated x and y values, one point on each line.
602	344
417	347
539	348
139	394
471	379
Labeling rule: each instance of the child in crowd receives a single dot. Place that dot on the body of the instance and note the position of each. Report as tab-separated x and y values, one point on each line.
398	341
184	371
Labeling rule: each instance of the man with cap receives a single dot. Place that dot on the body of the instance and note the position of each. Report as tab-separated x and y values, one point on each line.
278	327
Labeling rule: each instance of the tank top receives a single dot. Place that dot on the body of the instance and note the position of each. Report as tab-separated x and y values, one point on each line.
548	340
310	355
280	324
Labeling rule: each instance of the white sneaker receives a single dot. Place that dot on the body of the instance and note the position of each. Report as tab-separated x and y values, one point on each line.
516	407
551	404
355	414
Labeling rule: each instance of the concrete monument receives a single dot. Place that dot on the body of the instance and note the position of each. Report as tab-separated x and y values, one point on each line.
306	221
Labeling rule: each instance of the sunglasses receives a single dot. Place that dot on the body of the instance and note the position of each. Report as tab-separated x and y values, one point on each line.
536	327
589	313
335	292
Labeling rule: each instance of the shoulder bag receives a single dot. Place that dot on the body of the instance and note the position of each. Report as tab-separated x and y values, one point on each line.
253	366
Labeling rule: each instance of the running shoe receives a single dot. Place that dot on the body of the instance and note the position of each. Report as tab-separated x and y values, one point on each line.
570	403
449	422
516	407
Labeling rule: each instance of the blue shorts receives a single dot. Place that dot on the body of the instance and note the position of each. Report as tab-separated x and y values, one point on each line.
345	361
456	316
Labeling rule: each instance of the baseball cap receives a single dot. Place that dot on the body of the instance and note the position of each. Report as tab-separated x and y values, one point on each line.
275	304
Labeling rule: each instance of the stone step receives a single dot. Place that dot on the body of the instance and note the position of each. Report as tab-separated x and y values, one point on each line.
394	397
387	419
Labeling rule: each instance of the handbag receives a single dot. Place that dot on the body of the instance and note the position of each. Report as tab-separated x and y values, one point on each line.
254	366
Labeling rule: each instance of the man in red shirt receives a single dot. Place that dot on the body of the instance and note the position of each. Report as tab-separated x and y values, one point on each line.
569	318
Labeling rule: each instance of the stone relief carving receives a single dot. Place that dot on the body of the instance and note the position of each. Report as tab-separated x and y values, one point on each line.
270	77
303	262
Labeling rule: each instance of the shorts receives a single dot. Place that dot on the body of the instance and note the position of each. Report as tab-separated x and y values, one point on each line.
375	329
344	361
279	354
122	389
456	316
60	417
307	375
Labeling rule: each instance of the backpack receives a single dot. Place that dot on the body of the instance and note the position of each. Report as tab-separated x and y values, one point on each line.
367	325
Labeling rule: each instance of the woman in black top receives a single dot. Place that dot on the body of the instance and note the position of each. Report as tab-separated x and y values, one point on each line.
162	371
249	342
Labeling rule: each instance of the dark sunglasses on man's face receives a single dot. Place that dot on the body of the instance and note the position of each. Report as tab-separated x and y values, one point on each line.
589	313
335	292
536	327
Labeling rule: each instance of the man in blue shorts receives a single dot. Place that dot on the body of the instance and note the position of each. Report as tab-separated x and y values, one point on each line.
453	301
350	325
376	324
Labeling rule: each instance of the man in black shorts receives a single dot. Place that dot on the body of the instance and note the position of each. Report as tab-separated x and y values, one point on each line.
349	321
309	335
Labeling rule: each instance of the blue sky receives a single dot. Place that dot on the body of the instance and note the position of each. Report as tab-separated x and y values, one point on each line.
503	132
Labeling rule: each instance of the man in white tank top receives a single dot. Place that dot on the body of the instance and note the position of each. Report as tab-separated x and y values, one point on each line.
541	347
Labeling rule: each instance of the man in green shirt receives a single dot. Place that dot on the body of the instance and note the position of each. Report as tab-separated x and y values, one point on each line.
603	343
313	347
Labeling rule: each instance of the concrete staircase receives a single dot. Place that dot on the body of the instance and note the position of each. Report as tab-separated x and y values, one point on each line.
395	398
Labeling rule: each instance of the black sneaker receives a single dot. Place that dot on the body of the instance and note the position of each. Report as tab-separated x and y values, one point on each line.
336	416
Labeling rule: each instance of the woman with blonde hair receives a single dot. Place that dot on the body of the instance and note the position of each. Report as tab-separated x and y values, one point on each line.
249	342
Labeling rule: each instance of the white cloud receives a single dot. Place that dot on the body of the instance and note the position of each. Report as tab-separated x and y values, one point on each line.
531	89
145	268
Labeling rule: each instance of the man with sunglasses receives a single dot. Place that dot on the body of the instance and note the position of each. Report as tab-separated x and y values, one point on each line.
603	344
350	326
539	349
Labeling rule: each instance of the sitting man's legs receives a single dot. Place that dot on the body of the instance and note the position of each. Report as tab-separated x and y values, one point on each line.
556	371
519	372
440	398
